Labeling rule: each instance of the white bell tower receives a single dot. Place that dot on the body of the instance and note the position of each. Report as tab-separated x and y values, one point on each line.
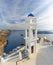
31	35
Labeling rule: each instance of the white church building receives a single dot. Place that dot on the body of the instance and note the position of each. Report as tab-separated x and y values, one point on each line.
31	34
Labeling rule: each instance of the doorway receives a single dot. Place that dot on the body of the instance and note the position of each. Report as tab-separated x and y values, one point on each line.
32	49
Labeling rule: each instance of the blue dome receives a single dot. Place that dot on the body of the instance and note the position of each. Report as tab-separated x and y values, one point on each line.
30	15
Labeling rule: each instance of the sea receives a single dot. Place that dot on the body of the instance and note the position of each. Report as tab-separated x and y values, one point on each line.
16	38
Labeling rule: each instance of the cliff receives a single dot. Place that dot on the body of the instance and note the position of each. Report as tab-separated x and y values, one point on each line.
3	43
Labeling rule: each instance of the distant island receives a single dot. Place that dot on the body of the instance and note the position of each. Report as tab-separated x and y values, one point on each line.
45	32
5	32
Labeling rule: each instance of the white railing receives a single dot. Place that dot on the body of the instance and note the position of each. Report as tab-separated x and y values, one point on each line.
15	55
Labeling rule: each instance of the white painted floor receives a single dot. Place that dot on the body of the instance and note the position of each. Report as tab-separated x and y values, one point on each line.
23	62
45	55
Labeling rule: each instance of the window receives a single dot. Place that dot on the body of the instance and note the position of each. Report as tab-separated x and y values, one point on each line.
33	32
27	33
27	46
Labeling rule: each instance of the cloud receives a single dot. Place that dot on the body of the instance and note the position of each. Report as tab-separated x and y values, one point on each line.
12	13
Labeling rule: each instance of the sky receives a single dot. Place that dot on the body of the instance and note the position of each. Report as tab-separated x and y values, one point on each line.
13	12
